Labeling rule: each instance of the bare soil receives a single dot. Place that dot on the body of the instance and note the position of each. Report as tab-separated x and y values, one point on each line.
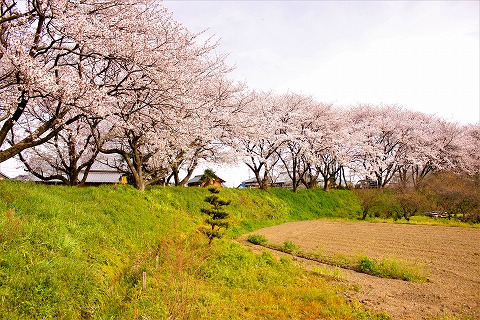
449	255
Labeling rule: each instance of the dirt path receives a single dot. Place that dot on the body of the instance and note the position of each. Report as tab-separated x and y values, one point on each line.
451	255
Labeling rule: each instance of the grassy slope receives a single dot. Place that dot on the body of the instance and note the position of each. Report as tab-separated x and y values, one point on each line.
80	253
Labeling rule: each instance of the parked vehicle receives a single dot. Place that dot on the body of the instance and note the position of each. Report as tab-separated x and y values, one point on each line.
438	214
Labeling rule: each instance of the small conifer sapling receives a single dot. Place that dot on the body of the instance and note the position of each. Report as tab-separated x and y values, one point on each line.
217	217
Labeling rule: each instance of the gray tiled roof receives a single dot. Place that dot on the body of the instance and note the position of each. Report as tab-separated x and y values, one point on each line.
94	176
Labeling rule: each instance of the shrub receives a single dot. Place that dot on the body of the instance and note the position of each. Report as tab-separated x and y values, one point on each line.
409	202
369	198
217	217
289	246
256	239
368	266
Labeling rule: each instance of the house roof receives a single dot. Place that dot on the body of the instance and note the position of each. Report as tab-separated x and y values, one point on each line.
103	177
30	177
283	177
94	176
251	180
102	167
196	179
279	179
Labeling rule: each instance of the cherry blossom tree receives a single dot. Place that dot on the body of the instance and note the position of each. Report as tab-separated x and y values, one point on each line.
208	141
124	61
171	137
469	141
257	135
67	157
296	126
165	104
199	151
327	141
402	146
42	83
432	144
382	140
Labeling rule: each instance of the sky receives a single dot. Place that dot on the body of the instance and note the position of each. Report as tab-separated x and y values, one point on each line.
421	55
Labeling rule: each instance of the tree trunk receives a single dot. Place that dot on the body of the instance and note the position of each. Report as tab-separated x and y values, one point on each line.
364	214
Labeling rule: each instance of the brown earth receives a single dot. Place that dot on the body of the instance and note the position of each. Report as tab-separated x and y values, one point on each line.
449	255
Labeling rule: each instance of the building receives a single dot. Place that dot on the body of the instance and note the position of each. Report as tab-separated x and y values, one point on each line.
282	180
197	182
102	174
99	174
250	183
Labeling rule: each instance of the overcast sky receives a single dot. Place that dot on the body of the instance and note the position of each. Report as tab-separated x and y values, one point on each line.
422	55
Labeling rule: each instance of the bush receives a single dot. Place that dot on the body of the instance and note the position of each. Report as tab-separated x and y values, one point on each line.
289	246
375	202
217	216
256	239
368	266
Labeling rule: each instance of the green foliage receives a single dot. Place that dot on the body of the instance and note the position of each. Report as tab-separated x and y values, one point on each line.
253	209
208	175
391	268
328	272
289	246
368	266
259	286
217	216
316	203
386	268
71	252
256	239
400	270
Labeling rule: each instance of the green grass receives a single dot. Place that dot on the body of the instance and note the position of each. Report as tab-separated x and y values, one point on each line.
385	268
264	287
333	272
391	268
80	253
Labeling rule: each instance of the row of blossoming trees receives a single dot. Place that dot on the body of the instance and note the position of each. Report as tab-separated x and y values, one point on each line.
121	81
313	142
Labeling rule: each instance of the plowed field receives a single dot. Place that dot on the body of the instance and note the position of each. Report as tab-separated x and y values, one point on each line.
450	255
